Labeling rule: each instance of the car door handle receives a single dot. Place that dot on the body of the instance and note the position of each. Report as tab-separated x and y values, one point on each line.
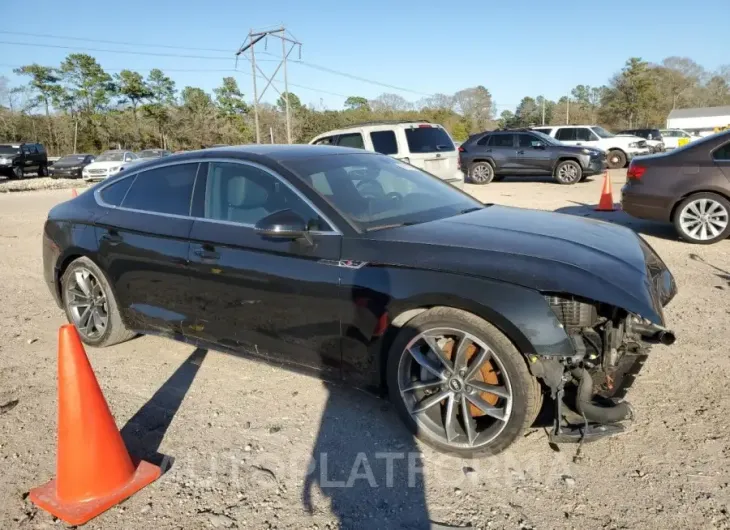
112	238
521	152
207	255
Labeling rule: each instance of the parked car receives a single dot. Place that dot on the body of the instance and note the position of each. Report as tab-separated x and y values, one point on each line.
673	137
108	163
70	166
148	154
19	159
688	187
619	149
422	144
653	138
363	268
495	155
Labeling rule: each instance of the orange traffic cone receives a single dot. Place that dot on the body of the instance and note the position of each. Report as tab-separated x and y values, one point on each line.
74	193
93	468
606	203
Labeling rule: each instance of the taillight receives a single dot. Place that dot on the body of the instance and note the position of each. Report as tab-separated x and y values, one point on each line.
635	171
461	149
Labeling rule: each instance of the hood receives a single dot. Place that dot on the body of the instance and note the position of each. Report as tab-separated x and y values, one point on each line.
579	149
104	165
545	251
628	138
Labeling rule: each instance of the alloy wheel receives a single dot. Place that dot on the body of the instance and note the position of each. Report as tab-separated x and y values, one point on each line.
87	303
568	173
703	219
481	173
455	386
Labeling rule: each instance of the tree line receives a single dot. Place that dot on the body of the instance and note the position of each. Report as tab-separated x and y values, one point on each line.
79	107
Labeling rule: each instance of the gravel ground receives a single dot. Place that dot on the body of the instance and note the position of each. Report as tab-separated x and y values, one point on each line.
238	436
34	183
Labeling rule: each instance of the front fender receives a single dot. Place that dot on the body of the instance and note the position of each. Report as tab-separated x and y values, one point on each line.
380	294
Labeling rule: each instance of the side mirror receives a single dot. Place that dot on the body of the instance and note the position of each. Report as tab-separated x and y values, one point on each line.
284	224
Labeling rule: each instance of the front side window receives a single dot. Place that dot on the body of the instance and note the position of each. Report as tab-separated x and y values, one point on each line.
245	194
527	140
351	140
374	191
384	142
583	134
165	190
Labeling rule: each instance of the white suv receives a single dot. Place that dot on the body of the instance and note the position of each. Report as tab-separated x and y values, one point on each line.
422	144
619	149
673	137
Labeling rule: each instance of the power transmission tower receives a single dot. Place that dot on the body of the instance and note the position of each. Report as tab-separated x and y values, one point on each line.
287	41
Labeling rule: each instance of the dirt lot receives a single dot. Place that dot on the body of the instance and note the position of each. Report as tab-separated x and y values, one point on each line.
240	435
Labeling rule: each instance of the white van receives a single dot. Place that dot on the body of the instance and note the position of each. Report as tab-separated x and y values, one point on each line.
422	144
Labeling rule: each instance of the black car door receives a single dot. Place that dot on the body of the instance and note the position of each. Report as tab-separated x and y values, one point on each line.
501	148
275	298
534	156
143	245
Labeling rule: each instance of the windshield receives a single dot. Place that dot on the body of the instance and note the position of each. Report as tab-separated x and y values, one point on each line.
603	133
375	191
72	158
150	154
9	150
110	156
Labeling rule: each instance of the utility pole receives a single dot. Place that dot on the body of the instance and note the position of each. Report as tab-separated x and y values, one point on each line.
287	41
543	110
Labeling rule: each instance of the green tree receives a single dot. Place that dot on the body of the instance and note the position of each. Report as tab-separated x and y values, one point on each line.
295	103
44	88
357	103
631	94
133	89
476	105
229	98
160	102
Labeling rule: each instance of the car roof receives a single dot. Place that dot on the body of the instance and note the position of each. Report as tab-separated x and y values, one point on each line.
275	152
368	124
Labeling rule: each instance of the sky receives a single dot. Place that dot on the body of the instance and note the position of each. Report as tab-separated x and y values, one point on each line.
513	48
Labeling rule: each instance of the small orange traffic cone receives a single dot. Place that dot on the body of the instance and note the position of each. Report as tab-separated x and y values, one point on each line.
74	193
606	203
93	468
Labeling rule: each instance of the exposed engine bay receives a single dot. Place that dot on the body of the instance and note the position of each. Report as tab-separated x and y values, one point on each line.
610	346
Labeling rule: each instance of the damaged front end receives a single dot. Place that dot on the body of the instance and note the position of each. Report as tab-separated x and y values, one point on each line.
610	346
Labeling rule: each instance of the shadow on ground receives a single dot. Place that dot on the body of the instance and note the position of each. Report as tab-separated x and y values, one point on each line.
651	228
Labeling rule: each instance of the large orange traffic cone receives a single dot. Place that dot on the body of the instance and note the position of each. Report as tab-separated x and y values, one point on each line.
93	468
74	193
606	203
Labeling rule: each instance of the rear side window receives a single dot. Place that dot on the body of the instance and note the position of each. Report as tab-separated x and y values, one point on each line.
351	140
722	153
384	142
428	140
567	133
165	190
114	193
501	140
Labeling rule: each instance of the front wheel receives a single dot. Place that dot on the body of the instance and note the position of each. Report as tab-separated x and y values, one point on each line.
90	304
481	173
568	172
18	172
616	159
459	384
703	218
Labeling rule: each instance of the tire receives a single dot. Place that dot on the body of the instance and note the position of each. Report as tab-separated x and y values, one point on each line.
499	178
520	388
42	170
715	207
481	172
18	173
568	172
114	330
615	159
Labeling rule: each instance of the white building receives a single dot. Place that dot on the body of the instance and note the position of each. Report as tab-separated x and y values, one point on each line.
702	120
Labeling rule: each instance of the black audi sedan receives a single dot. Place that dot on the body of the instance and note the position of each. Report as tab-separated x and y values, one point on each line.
70	166
366	269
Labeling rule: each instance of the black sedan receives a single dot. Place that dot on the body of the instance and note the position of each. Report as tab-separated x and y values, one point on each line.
70	166
366	269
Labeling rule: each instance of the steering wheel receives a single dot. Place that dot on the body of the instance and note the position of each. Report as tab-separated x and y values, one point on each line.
394	197
370	189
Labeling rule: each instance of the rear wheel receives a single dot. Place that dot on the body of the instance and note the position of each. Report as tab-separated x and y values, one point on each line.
616	159
703	218
42	170
91	306
459	384
481	172
568	172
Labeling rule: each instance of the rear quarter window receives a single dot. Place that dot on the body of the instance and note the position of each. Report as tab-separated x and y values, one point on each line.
428	140
114	193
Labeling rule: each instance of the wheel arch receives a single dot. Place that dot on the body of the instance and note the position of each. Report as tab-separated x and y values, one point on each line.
565	158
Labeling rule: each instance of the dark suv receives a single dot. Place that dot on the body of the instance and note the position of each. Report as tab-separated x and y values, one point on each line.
16	160
494	155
